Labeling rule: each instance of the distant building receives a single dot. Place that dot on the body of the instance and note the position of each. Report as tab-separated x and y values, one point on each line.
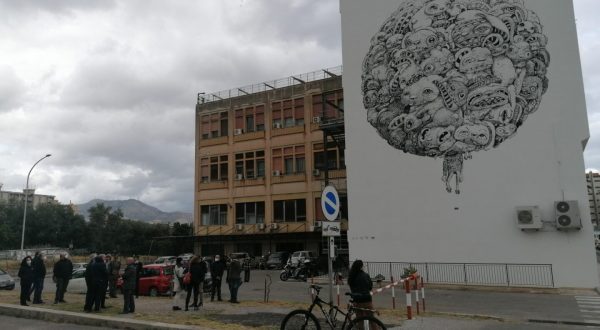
33	199
593	185
260	165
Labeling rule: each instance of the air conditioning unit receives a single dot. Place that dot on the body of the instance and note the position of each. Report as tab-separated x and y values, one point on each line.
239	227
276	173
316	120
239	177
261	226
317	226
566	214
274	226
277	125
238	131
316	172
529	218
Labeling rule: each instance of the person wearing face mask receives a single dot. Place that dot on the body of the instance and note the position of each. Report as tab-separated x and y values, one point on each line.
216	270
26	276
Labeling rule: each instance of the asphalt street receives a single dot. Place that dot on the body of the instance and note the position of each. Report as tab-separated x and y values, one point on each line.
26	324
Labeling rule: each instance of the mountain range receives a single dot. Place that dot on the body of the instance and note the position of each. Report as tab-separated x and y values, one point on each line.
136	210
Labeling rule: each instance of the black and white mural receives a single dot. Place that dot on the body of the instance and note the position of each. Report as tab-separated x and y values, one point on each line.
447	78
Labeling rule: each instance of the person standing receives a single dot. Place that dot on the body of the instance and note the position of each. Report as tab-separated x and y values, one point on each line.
234	280
113	275
26	276
216	270
39	273
178	287
89	283
139	266
129	280
360	286
99	281
197	270
62	272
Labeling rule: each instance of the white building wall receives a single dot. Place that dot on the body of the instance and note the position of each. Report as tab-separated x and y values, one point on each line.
398	205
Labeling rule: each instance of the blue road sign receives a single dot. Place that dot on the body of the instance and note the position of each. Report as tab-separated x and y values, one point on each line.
330	203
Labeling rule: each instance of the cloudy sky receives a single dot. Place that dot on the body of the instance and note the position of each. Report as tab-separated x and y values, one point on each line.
109	87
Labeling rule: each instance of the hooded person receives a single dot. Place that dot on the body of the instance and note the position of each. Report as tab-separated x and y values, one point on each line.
26	276
129	280
39	274
216	270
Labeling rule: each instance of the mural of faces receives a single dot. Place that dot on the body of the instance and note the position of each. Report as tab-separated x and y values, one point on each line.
447	78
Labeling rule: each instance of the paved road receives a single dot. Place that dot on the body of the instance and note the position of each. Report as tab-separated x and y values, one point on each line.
26	324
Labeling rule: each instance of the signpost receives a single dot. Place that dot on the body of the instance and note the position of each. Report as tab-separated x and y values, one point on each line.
330	203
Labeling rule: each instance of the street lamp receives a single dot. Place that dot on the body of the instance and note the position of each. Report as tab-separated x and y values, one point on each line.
25	201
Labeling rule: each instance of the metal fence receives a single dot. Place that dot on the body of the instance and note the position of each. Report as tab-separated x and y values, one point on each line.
488	274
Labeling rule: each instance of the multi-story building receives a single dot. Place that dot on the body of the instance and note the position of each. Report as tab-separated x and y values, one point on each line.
593	185
261	165
33	199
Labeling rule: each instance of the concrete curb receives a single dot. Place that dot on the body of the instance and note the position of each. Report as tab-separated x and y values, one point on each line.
58	316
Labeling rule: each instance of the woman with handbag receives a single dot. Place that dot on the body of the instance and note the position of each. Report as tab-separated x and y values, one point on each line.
197	270
178	286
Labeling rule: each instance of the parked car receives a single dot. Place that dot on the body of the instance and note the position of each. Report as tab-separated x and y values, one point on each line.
302	255
167	260
277	260
77	282
155	279
79	265
6	281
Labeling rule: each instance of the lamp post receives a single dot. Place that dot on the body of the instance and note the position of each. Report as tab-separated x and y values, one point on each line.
25	200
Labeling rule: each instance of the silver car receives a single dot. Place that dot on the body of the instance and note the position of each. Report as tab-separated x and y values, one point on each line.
6	281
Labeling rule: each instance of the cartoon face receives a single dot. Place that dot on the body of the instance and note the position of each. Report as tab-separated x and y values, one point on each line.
506	131
532	88
527	28
470	30
437	138
478	135
400	58
439	62
515	12
422	41
369	83
537	42
454	94
519	51
370	99
399	81
500	115
434	14
421	92
495	43
394	41
487	97
474	60
535	67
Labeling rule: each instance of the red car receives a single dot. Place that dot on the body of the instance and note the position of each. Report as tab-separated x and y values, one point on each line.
156	280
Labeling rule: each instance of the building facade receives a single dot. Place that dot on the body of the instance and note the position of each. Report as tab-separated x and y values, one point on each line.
260	165
11	197
593	186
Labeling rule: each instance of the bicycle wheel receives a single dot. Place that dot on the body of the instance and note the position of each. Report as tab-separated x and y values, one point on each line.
366	323
300	320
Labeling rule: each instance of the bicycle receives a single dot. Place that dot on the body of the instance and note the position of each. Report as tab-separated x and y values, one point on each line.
301	319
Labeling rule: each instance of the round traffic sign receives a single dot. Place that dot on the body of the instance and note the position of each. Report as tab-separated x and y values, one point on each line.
330	203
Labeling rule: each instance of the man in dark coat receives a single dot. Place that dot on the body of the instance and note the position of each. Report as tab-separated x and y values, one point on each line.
99	281
216	270
89	283
129	281
26	276
62	272
234	279
139	266
113	275
39	273
198	270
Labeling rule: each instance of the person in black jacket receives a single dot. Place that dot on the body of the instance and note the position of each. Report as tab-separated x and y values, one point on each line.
39	273
26	276
129	280
99	281
216	271
198	271
62	273
360	286
89	294
139	266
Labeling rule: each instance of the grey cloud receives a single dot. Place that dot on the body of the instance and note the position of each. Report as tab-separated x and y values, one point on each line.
12	89
62	7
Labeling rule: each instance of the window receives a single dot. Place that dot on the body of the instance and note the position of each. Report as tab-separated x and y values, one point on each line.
289	160
335	157
250	164
288	113
251	119
319	216
213	169
213	215
250	213
291	210
214	125
336	98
